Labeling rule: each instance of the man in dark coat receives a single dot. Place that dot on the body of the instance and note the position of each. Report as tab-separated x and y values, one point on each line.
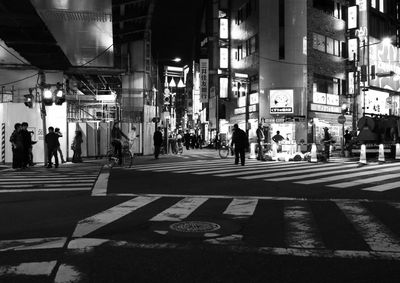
260	142
241	142
186	138
27	145
52	143
17	147
158	140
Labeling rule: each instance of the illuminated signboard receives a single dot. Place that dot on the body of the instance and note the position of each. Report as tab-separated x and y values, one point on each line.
203	80
281	101
223	28
223	87
353	48
352	15
351	82
254	98
223	58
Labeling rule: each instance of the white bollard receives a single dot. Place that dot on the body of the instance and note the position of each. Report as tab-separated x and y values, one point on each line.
397	151
253	151
381	157
314	153
363	154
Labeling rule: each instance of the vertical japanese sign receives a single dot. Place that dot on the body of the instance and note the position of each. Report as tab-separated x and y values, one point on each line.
203	80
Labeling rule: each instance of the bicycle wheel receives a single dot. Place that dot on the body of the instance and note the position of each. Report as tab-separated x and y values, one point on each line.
111	159
223	152
127	159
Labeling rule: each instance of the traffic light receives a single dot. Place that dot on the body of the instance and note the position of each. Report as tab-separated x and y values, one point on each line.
59	95
47	97
166	99
29	99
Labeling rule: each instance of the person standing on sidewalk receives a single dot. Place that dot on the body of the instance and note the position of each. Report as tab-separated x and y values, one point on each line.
260	141
327	140
17	147
51	140
158	140
77	147
116	141
241	142
27	145
57	131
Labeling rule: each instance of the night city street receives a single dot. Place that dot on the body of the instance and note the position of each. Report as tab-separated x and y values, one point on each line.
199	141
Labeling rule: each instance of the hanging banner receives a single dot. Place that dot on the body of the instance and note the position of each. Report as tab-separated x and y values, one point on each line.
203	80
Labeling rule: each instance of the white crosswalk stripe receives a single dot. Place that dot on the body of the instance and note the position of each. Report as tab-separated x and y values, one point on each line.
300	227
241	208
377	236
180	210
77	177
301	230
372	177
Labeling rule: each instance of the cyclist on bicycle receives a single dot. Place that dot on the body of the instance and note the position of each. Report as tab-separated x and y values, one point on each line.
116	138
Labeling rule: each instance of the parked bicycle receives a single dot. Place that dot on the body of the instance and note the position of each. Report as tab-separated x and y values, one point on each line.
225	150
127	157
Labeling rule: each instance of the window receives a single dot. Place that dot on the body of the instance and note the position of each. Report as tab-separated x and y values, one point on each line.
281	29
326	44
373	4
333	8
245	11
326	84
247	48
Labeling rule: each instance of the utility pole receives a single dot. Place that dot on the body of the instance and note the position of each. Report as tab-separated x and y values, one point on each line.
43	114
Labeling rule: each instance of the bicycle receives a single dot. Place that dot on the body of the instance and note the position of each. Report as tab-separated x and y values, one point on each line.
224	150
127	157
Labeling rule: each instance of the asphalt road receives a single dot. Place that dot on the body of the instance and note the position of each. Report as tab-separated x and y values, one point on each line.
199	218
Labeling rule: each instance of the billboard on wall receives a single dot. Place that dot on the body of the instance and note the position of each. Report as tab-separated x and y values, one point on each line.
281	101
203	80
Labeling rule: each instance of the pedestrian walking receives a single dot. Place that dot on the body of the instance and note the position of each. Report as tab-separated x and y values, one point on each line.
186	138
17	147
240	142
77	147
260	142
59	151
51	140
158	140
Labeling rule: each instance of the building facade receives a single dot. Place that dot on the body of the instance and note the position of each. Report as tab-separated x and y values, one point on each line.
285	64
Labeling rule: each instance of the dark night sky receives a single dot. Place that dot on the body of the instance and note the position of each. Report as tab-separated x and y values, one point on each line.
174	27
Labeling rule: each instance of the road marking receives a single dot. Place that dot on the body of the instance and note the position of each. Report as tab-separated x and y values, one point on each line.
300	232
28	268
100	187
32	244
91	224
366	172
357	182
300	170
384	187
375	234
67	274
241	207
180	210
30	190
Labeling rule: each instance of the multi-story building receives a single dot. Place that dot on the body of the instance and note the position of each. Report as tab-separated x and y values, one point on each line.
285	64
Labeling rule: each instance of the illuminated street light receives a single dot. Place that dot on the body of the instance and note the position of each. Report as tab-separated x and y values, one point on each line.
177	59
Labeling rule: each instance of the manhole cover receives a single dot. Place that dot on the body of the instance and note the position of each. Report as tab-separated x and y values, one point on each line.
195	227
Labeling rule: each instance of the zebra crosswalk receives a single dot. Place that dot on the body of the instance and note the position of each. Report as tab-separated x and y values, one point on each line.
323	225
372	177
68	177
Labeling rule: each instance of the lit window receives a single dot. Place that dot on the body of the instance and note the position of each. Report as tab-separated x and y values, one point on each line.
373	4
381	6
